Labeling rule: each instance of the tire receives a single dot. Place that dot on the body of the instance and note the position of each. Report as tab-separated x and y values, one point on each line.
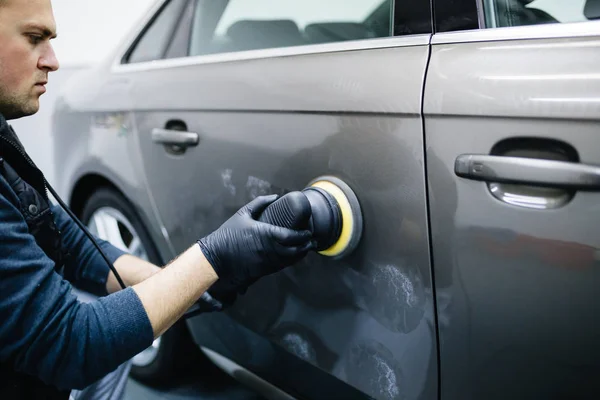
174	352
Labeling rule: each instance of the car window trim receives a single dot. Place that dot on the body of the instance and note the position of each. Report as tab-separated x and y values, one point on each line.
121	64
155	12
543	31
184	23
481	14
124	49
325	48
391	33
175	27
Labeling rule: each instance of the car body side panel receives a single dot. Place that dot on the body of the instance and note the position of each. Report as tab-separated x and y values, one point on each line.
102	142
273	125
516	287
350	80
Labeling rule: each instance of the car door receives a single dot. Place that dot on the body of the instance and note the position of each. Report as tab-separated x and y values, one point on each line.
271	97
512	127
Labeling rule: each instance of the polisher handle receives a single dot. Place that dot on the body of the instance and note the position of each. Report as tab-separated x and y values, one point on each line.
291	211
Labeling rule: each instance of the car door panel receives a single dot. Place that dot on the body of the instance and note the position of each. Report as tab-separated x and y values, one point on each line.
272	125
516	285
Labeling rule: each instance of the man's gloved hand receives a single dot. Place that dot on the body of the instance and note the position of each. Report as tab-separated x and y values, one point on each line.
243	249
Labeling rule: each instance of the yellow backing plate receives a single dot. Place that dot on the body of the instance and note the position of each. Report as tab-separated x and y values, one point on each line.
347	218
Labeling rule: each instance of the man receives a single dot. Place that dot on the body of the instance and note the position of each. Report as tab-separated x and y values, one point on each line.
49	342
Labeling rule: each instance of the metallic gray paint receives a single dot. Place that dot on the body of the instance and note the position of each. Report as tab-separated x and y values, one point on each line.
516	288
272	125
288	84
102	144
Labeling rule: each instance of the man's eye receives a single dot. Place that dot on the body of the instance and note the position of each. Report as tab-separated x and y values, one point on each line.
35	39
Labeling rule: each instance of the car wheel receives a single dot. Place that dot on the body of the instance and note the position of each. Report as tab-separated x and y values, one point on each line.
110	217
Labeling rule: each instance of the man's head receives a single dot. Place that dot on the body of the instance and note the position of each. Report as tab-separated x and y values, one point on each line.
26	55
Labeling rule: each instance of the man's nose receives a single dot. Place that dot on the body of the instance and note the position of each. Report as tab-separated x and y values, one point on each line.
48	60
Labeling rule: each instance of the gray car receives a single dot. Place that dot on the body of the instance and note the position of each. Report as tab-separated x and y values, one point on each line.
470	132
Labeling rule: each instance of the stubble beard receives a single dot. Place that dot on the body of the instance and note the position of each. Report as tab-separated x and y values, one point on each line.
13	107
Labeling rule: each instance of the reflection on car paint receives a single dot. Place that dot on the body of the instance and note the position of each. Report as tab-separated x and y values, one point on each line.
560	253
354	323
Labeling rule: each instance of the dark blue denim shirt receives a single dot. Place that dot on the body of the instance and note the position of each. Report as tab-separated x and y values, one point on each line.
45	331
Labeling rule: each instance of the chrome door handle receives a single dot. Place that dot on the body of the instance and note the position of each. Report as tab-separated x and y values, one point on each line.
528	171
175	138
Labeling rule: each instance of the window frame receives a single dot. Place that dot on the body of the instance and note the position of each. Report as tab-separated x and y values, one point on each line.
148	23
527	32
391	34
479	7
481	14
121	64
473	7
184	24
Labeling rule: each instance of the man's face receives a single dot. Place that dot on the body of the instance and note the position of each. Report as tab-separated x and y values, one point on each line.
26	55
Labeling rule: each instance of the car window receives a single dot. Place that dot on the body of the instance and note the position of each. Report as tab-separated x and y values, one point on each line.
222	26
503	13
156	37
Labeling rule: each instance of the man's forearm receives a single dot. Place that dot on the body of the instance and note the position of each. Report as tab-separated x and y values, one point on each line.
132	270
168	294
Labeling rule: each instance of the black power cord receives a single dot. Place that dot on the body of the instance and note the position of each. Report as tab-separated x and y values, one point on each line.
87	233
18	146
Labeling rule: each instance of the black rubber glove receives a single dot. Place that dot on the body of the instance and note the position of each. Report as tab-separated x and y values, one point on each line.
243	249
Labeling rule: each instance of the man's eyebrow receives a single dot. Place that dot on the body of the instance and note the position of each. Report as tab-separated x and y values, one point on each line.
45	31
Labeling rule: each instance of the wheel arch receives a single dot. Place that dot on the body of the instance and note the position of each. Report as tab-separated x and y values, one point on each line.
85	187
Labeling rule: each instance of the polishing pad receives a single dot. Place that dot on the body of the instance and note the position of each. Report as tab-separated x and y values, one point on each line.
350	212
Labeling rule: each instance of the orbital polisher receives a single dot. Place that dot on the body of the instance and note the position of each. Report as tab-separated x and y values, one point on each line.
328	208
